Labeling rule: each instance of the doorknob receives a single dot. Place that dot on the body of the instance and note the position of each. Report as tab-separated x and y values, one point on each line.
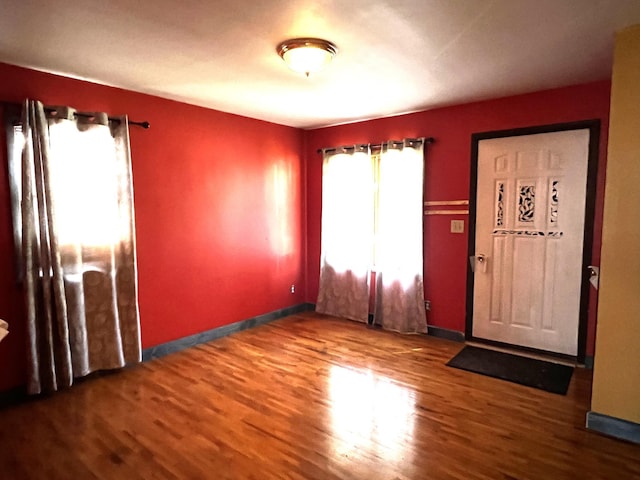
480	260
594	275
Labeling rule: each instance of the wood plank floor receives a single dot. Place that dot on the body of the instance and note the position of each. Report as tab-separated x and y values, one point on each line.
309	397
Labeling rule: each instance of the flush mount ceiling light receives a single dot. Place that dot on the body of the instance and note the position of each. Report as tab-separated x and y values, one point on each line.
306	55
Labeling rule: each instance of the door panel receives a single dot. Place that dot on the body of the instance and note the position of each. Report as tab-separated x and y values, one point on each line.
530	211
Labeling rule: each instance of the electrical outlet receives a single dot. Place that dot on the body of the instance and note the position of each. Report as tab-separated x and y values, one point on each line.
427	305
293	289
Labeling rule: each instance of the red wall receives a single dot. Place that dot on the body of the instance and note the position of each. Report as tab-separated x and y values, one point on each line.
219	215
447	178
223	202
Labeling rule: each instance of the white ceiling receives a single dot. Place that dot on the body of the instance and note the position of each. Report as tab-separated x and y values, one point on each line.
394	56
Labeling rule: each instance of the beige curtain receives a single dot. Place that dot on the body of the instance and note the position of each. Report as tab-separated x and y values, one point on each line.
347	226
399	243
78	245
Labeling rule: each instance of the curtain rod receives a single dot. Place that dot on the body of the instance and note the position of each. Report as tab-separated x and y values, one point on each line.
427	140
143	124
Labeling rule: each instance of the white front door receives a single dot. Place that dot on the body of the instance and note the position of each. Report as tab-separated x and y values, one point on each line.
530	212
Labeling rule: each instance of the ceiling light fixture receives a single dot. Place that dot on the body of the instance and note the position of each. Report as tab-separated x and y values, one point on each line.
306	55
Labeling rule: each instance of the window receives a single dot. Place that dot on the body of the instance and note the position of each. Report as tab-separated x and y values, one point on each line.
372	220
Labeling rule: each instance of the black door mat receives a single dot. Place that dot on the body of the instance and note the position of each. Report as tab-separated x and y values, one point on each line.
548	376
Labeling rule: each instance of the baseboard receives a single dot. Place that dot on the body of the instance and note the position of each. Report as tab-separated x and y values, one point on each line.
615	427
433	331
19	394
445	333
588	362
13	396
213	334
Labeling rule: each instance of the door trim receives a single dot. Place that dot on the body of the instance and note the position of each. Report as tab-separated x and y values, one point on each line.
592	170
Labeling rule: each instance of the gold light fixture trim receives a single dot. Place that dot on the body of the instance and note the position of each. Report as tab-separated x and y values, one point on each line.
306	55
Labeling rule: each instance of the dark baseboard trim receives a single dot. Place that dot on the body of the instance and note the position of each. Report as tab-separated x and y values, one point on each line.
213	334
445	333
18	395
13	397
433	331
615	427
588	362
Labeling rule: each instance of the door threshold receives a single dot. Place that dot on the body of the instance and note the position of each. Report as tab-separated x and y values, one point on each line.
519	351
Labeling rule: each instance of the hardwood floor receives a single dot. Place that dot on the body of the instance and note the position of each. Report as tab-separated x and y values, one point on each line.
309	397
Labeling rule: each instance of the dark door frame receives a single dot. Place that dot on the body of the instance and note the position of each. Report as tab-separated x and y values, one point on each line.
592	171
